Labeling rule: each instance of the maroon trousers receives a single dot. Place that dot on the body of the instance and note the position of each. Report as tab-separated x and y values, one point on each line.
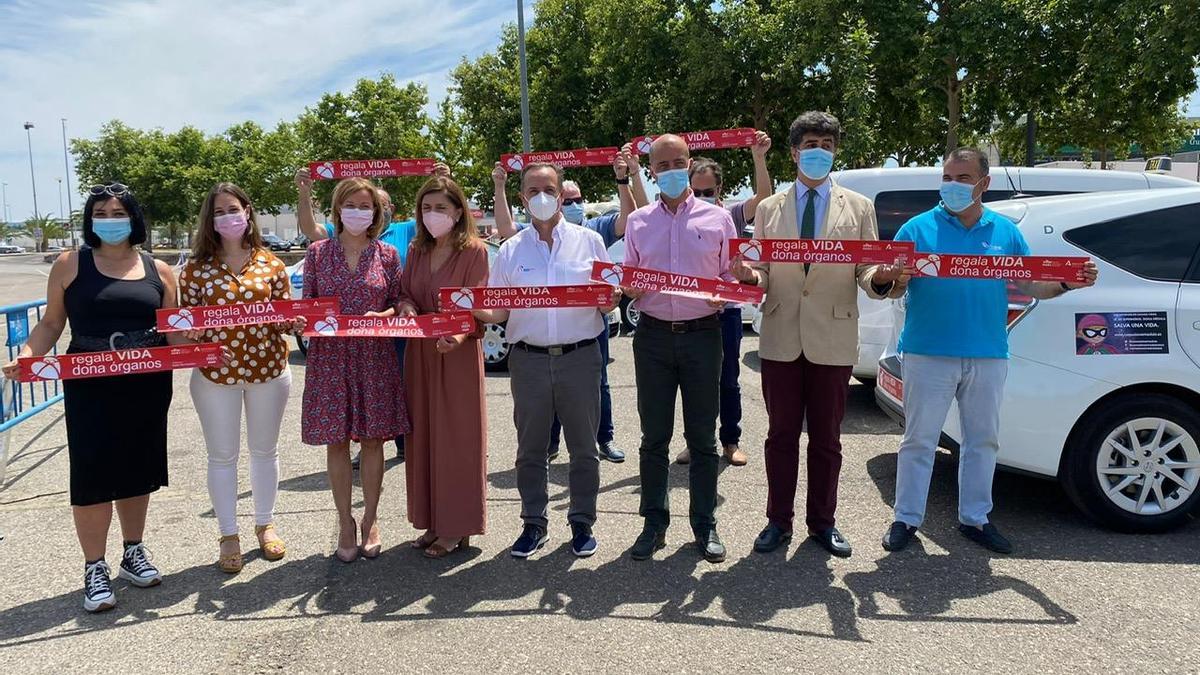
794	391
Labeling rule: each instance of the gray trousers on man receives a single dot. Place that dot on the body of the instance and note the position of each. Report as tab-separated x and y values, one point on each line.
569	385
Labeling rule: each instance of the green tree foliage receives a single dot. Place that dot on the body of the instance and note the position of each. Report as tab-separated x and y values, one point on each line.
42	229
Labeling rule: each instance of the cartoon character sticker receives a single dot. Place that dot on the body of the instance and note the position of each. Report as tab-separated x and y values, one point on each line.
1121	333
1090	334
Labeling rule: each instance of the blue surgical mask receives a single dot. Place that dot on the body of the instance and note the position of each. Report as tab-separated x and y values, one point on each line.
573	213
815	163
957	197
111	230
672	183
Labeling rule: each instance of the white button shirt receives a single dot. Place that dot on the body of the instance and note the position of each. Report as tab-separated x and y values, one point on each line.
526	260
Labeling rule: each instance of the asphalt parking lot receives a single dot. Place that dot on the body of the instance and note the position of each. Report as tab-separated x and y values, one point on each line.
1072	596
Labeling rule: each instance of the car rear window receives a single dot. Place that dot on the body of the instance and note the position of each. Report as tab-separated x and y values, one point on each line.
1155	245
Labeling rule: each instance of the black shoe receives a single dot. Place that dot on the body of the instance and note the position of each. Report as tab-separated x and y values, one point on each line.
988	537
649	541
898	536
611	452
532	539
98	594
136	567
553	454
583	543
833	541
771	538
711	547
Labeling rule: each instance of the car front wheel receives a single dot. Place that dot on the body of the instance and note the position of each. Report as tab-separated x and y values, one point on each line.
495	349
1133	463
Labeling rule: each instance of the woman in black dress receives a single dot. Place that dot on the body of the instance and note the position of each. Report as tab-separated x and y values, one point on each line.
116	426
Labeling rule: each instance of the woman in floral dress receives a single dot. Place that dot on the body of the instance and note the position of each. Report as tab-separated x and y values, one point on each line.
352	386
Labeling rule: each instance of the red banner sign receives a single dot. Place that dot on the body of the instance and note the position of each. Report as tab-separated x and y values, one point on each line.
563	158
203	317
1008	267
718	139
817	251
527	297
674	284
370	168
423	326
119	362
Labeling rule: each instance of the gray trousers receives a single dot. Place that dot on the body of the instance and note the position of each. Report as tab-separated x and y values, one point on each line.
569	386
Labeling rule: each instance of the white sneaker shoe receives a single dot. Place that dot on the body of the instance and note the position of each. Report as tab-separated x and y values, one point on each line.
136	567
98	593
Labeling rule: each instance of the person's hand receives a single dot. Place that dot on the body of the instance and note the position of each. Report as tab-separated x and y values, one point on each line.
12	371
621	164
632	293
613	302
405	310
886	274
304	181
447	344
631	158
194	335
441	170
762	143
297	325
226	356
373	314
743	272
716	303
499	176
1090	274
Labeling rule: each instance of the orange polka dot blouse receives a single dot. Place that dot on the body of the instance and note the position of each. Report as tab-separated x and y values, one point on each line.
260	353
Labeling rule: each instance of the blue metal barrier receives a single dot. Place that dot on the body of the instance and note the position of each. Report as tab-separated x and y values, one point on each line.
19	402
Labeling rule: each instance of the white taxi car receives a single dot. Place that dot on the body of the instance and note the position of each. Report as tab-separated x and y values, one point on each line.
1103	389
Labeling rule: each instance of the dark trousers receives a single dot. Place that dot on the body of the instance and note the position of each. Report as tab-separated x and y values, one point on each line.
604	430
796	391
690	363
731	366
400	355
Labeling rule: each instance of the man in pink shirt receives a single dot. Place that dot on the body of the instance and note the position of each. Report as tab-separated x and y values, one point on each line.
677	346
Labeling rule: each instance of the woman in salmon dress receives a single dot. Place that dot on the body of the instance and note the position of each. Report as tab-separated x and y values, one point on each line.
446	451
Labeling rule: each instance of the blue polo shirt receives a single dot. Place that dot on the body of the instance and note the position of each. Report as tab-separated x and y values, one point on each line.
399	234
963	318
605	226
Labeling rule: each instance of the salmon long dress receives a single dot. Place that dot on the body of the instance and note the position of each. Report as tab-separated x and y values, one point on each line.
445	454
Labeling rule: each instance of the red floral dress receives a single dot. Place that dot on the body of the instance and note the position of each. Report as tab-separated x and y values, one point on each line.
352	386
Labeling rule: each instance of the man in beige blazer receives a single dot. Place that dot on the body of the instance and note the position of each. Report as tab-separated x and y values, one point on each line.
809	339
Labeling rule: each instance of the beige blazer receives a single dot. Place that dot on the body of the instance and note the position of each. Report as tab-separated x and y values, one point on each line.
814	314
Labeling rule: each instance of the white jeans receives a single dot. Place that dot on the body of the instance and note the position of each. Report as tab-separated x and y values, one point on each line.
931	384
220	409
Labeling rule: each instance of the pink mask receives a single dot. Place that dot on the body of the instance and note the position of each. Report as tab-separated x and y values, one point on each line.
437	223
357	221
231	225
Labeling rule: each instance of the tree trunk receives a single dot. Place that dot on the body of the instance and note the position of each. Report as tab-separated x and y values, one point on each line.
1103	157
953	112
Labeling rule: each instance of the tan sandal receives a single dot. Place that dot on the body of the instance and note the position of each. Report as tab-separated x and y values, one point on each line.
424	541
437	552
230	563
272	550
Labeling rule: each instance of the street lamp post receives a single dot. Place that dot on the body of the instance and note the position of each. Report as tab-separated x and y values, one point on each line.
524	76
67	175
60	200
4	201
32	179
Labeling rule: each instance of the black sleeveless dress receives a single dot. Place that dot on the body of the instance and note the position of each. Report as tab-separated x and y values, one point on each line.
116	426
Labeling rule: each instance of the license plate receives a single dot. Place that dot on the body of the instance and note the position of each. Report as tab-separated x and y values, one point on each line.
891	384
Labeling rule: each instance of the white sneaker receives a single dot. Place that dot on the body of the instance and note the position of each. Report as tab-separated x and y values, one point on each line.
136	567
98	593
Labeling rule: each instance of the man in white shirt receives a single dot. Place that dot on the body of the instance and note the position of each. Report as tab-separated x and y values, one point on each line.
554	365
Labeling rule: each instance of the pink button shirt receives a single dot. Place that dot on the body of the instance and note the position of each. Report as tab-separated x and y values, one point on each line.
694	241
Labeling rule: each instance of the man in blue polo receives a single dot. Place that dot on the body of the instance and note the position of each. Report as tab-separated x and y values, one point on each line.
954	347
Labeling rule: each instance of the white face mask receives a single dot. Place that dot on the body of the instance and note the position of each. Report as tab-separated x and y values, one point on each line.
543	206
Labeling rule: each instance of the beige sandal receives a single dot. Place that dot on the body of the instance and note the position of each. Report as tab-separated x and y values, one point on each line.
272	550
230	563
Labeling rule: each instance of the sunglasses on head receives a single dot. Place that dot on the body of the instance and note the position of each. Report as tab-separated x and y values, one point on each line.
113	190
710	192
577	200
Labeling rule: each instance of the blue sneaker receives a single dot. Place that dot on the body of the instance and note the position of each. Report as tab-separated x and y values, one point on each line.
583	544
532	539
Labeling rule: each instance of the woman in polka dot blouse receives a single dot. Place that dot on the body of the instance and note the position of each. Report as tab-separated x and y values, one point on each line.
230	265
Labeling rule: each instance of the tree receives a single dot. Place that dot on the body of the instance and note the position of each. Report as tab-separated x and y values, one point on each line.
42	229
457	144
378	119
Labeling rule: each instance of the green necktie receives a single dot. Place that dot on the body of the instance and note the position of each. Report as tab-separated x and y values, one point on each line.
808	222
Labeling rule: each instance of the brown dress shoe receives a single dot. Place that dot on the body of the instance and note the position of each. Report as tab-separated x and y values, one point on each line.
735	456
684	457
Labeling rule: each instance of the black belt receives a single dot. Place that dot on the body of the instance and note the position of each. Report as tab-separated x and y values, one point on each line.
555	350
120	340
703	323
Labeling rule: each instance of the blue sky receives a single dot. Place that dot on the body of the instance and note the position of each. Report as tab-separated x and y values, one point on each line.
167	63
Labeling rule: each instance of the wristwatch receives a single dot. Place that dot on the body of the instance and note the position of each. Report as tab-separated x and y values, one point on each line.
1065	287
623	181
